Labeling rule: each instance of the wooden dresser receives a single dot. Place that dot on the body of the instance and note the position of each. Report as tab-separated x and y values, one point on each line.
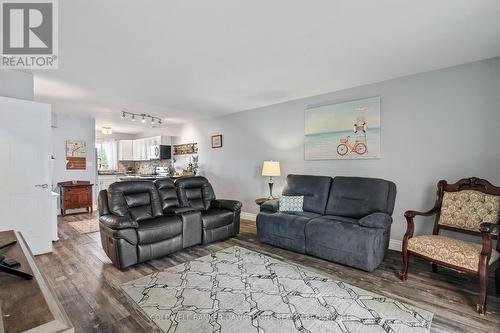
28	305
76	194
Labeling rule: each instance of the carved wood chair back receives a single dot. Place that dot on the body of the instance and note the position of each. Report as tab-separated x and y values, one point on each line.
464	205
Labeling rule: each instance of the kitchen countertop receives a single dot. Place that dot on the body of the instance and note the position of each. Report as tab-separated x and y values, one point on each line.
141	177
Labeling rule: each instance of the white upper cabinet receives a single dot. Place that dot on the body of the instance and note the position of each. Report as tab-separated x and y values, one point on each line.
137	150
126	150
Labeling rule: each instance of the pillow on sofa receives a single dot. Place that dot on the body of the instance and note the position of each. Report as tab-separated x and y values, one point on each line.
293	203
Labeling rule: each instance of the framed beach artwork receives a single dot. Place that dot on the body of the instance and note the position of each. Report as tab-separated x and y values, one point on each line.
348	130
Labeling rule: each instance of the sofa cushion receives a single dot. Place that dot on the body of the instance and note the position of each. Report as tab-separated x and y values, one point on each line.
357	197
283	230
168	194
314	189
340	219
195	192
214	218
308	215
346	243
158	229
137	199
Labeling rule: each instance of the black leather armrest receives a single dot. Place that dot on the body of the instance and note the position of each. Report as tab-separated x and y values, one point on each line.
178	210
272	205
232	205
376	220
118	222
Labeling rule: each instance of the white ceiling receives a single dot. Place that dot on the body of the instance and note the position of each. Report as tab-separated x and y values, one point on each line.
184	60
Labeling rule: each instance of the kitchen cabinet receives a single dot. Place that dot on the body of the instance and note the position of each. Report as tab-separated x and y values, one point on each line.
137	150
126	150
140	150
105	180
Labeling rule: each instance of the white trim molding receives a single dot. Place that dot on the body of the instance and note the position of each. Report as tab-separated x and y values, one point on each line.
395	244
248	216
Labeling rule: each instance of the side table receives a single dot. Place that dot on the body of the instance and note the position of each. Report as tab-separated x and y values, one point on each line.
260	201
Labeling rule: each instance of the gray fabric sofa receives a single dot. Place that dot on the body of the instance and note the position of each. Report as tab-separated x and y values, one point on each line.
345	220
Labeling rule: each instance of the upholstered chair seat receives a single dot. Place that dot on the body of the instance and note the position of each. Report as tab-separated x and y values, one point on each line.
470	206
451	251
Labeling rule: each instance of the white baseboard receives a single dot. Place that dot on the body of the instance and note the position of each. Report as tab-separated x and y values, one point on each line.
394	244
248	216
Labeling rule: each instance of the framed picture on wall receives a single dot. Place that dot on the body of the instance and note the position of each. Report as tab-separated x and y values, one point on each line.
348	130
76	152
217	141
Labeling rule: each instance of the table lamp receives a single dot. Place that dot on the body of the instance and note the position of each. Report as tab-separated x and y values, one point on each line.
271	169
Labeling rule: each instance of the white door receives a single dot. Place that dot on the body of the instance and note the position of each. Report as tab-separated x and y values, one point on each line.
25	149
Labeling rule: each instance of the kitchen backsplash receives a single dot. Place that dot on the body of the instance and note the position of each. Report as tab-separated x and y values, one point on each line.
143	167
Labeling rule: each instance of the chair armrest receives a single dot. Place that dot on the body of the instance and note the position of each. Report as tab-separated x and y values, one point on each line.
118	222
178	210
272	205
232	205
376	220
410	226
488	227
413	213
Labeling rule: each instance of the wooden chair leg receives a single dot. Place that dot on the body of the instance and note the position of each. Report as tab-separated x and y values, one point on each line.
403	275
483	285
434	268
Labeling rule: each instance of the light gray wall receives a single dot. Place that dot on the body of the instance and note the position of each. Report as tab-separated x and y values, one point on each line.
16	84
73	128
437	125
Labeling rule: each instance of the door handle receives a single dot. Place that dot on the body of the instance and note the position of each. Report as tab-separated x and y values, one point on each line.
42	185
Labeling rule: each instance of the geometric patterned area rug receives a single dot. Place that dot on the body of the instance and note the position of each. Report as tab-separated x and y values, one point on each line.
239	290
86	226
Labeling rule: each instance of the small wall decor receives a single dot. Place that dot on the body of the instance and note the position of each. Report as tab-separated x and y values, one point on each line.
76	155
349	130
187	148
217	141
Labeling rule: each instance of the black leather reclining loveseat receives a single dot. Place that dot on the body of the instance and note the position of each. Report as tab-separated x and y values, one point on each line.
144	220
345	219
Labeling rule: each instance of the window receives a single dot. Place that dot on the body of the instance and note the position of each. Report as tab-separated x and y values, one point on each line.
107	155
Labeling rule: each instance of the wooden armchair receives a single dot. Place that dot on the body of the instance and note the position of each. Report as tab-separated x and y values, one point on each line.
470	206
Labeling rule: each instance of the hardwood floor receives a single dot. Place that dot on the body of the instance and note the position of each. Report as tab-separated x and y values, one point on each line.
88	285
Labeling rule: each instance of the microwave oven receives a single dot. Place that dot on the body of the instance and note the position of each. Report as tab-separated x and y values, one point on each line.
160	152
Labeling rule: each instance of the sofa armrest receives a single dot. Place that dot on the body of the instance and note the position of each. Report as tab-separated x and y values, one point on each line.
118	222
178	210
232	205
272	205
376	220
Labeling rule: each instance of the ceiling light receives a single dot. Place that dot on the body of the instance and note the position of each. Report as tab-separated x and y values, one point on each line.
143	120
106	130
123	114
152	120
133	117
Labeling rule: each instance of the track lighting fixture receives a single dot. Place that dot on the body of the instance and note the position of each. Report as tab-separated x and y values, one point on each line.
142	116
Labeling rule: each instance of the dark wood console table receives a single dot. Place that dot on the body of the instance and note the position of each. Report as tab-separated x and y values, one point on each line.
28	305
76	194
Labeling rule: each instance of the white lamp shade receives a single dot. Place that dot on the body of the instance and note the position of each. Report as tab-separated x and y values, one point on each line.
271	168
